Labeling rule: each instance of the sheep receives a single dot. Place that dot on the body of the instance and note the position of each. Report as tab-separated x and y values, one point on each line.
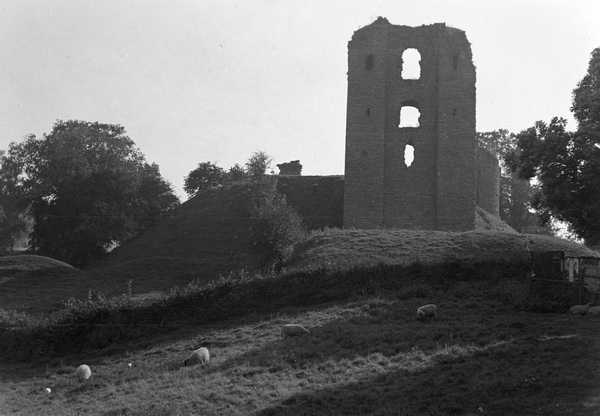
594	310
83	372
293	330
427	311
579	309
199	356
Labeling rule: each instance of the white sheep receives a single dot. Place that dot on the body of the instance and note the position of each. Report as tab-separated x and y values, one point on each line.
293	330
579	309
199	356
427	311
594	310
83	372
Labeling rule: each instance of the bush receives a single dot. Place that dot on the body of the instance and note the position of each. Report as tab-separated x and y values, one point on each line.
277	227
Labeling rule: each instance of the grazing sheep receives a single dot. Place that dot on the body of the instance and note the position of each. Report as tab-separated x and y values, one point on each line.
199	356
579	309
428	311
594	310
293	330
83	372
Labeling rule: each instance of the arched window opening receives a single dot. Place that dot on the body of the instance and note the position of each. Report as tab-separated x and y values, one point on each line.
409	155
455	62
411	64
369	62
409	116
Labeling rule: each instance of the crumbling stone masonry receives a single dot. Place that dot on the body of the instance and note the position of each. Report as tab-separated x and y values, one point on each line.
488	181
293	168
438	190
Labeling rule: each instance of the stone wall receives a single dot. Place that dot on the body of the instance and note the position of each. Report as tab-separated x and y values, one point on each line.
488	182
438	190
318	199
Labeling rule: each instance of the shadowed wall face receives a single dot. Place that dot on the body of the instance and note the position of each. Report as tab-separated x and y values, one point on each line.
488	182
435	187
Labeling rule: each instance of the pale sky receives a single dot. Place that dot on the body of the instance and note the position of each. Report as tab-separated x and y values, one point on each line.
198	80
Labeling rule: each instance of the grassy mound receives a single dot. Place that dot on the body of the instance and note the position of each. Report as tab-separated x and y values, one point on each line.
485	221
212	229
11	265
338	250
29	282
44	289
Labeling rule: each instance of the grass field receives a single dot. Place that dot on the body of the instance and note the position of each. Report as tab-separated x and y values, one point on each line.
364	356
366	353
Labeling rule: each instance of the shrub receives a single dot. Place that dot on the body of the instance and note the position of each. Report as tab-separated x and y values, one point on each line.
276	228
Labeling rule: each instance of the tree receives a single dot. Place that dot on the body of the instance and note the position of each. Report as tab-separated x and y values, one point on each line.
88	187
236	173
12	206
206	175
567	164
258	164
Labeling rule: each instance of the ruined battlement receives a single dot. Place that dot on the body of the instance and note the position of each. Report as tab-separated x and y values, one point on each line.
410	128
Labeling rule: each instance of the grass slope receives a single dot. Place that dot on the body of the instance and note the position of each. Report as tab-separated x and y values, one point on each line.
211	229
43	289
489	222
337	249
364	356
11	265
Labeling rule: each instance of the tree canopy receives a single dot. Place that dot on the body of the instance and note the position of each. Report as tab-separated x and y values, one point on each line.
208	174
88	187
567	164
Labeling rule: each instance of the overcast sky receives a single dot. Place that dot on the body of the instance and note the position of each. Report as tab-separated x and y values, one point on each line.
197	80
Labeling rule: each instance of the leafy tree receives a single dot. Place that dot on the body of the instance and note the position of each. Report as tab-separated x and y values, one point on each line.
206	175
258	164
567	164
276	226
88	187
236	173
12	206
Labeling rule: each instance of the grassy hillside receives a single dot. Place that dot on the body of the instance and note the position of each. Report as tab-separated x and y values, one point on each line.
363	356
40	289
336	249
357	292
11	265
484	221
211	229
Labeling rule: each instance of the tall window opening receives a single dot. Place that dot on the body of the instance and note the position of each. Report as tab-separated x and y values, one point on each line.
411	64
409	116
409	155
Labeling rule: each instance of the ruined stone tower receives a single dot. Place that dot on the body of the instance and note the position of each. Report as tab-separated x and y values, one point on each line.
436	191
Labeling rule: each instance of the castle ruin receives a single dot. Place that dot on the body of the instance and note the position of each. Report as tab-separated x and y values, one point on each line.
425	172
